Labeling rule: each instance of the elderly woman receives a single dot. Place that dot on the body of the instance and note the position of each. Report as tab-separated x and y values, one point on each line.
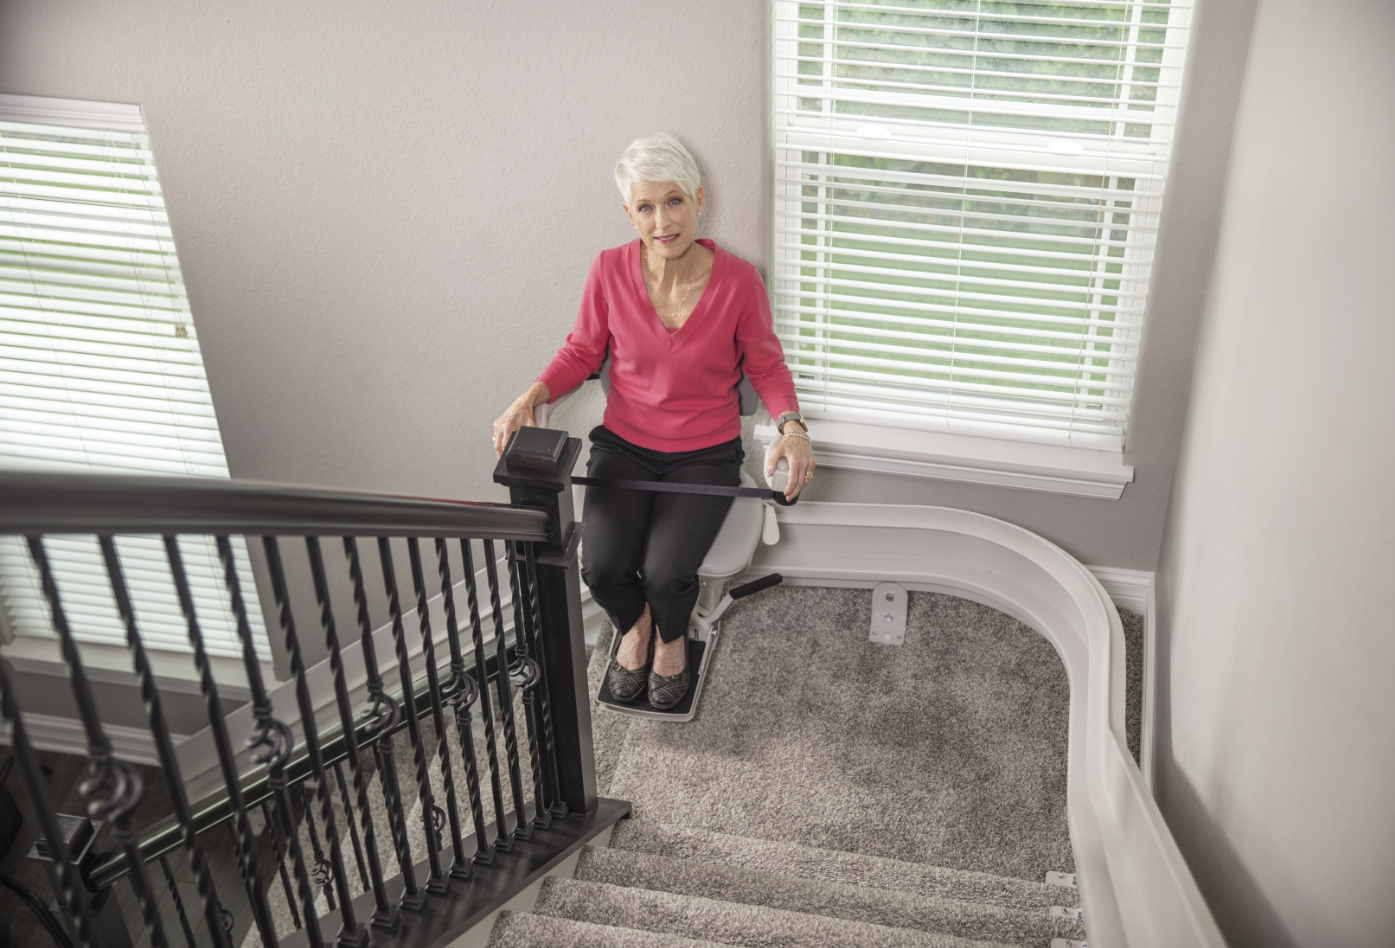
681	318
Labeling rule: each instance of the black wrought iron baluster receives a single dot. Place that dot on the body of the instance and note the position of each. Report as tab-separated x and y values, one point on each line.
503	842
460	864
281	863
164	745
351	933
530	676
384	914
270	743
246	883
435	883
320	873
72	894
240	828
119	780
178	903
462	694
522	829
558	806
384	715
349	817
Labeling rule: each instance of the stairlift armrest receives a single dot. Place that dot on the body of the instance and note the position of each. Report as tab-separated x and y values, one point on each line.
542	414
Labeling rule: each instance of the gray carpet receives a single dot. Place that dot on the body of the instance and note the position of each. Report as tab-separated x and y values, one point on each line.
728	923
802	716
732	885
829	865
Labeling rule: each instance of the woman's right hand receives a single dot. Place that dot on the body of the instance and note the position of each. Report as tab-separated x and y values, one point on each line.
519	415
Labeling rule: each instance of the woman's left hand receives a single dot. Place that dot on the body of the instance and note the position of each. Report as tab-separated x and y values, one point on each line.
801	457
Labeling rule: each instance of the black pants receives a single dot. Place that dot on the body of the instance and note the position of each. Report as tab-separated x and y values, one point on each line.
643	547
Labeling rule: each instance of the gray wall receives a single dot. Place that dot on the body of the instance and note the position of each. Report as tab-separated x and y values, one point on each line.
385	213
1275	751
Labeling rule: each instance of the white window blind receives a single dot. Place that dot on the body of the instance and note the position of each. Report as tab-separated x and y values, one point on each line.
966	196
100	367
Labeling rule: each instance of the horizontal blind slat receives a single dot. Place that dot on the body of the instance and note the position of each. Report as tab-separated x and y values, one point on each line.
100	371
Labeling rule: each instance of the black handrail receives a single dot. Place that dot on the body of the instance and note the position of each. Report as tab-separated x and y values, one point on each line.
557	808
44	502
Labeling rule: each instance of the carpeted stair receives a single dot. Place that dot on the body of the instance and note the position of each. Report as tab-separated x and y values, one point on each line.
724	872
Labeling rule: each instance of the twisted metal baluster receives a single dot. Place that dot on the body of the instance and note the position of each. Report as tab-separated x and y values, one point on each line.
270	744
119	779
72	894
383	715
522	829
164	746
435	883
530	676
349	818
320	872
281	864
461	694
178	903
240	828
384	915
502	841
351	933
460	864
559	808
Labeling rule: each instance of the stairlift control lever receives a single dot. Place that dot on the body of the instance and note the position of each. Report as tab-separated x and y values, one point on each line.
739	592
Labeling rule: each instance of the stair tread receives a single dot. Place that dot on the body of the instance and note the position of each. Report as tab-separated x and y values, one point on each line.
725	883
526	930
828	865
732	923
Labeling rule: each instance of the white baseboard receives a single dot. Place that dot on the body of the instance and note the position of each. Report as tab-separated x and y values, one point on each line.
1132	589
67	736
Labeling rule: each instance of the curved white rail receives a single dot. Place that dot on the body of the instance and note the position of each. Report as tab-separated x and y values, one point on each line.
1135	887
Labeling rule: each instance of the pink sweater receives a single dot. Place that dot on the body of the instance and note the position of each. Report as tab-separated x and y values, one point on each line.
674	391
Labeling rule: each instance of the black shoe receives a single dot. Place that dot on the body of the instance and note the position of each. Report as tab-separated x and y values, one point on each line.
664	693
626	685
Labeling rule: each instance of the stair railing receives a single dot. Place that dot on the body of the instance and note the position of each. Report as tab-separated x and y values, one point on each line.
483	859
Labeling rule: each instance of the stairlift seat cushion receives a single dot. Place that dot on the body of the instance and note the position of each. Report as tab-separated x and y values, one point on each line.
736	542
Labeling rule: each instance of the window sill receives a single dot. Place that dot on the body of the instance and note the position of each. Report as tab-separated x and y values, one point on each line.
174	671
966	459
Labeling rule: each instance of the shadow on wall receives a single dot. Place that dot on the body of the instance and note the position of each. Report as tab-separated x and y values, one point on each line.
1241	907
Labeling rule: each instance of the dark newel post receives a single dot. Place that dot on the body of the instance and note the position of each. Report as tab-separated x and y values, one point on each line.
537	470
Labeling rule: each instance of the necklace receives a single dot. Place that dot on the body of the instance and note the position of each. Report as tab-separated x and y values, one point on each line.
681	303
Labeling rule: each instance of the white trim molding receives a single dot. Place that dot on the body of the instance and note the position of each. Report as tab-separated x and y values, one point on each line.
966	459
1134	884
67	736
174	671
74	113
1132	589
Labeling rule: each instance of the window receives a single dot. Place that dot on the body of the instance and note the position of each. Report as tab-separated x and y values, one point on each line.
100	367
966	196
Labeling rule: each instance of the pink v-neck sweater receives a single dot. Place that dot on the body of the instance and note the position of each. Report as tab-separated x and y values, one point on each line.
674	391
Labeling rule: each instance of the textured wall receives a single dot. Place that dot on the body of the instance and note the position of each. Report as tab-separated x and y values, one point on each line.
385	213
1275	747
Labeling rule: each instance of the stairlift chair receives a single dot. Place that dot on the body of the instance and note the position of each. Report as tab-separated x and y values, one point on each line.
749	522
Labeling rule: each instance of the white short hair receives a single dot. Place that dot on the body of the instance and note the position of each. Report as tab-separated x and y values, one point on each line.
659	157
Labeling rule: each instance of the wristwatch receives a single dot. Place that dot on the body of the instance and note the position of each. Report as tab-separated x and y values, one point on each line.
790	416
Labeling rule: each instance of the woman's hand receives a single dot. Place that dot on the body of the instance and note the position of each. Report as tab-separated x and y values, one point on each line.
519	415
801	457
